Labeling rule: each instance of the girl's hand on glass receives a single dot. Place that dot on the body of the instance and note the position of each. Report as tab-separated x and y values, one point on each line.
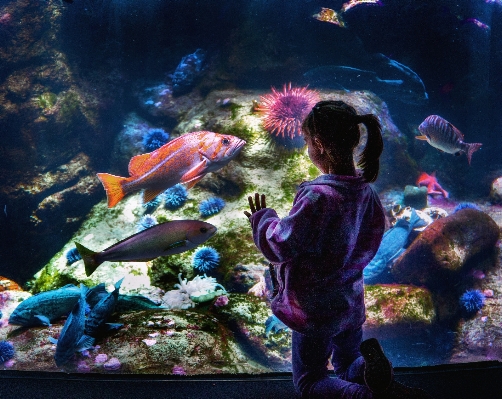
258	204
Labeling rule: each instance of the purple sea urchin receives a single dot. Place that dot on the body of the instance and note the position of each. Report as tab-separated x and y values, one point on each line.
205	259
155	138
175	196
284	111
146	222
471	301
7	351
211	206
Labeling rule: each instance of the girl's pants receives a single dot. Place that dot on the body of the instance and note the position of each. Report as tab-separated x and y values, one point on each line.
310	355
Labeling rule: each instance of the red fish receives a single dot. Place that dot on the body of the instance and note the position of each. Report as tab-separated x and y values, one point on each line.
432	184
185	159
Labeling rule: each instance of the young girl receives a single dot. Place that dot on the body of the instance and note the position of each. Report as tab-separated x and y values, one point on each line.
318	253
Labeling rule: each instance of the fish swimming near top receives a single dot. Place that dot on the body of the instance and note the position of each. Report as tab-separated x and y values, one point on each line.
43	308
72	337
99	314
186	159
160	240
441	134
392	245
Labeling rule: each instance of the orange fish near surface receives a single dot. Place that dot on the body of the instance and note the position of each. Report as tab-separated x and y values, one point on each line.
185	159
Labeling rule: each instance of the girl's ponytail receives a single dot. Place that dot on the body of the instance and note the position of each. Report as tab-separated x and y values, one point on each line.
369	161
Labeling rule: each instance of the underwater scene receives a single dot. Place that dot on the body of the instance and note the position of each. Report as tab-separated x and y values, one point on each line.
133	131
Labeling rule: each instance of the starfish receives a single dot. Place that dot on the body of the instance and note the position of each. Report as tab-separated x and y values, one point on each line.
433	187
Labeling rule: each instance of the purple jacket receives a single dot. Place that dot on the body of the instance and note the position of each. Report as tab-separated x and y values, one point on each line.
319	252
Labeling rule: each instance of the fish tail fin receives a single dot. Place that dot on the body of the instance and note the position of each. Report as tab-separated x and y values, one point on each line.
471	148
89	258
114	188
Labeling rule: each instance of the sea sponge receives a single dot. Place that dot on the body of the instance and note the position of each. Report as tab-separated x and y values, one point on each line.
211	206
205	259
7	351
146	222
175	196
471	301
155	138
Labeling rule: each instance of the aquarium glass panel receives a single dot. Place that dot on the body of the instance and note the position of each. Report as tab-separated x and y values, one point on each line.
132	133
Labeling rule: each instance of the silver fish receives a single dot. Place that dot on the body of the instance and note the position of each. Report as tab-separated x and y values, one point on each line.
163	239
441	134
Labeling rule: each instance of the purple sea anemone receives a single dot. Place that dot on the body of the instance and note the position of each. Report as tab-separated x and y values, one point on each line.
112	364
284	112
471	301
178	370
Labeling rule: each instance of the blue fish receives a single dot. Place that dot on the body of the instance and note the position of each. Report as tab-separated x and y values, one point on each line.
72	337
96	319
43	308
392	246
128	303
273	324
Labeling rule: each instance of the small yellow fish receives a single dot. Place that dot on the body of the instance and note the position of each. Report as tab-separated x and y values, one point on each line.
331	16
186	159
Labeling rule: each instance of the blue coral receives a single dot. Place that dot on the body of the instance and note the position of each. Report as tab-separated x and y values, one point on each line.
205	259
7	351
146	222
466	205
211	206
155	138
72	256
471	301
175	196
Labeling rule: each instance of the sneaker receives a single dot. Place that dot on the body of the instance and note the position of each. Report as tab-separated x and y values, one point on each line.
400	391
378	372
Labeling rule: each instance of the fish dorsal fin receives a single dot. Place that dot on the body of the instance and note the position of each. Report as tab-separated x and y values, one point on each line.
456	132
136	164
150	193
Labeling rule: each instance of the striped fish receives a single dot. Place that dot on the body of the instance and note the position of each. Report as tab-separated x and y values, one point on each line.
441	134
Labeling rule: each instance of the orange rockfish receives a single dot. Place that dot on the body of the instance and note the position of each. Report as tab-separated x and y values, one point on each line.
185	159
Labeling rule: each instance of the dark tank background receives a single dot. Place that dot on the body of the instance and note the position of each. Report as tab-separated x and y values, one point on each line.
71	73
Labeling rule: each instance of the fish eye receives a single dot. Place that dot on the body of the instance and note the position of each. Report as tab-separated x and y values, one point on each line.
203	230
225	141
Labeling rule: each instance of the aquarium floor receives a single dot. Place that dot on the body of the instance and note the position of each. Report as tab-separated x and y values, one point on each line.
459	381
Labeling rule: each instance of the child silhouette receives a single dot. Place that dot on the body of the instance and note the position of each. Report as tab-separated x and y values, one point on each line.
318	253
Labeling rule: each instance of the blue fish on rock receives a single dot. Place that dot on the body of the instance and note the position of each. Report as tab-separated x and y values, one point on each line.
100	313
43	308
392	246
72	337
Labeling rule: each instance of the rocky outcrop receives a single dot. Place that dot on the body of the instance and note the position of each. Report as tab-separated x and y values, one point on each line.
444	248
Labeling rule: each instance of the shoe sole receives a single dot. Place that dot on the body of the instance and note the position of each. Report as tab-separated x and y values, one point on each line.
378	372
